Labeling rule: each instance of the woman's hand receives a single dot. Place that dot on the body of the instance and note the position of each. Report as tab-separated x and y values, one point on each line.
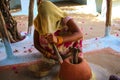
50	56
51	38
54	57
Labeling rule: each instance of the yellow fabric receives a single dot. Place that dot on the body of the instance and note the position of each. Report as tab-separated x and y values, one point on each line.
49	18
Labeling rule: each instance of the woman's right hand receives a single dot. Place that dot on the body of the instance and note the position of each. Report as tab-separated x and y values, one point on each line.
54	57
51	38
50	56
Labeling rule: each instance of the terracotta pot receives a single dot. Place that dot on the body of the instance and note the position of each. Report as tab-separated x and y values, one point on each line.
70	71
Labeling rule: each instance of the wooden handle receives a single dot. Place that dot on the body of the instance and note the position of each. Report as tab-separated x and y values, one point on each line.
57	53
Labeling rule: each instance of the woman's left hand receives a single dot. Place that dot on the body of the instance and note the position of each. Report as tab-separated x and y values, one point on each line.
51	38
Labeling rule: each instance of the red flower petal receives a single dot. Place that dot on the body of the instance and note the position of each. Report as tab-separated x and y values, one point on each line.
14	68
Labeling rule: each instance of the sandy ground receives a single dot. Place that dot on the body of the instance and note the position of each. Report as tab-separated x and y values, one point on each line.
106	58
93	26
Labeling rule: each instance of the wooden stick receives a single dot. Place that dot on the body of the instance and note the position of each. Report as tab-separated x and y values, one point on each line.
30	17
75	56
57	53
108	13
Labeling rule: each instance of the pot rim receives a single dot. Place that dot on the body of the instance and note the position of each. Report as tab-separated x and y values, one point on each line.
68	60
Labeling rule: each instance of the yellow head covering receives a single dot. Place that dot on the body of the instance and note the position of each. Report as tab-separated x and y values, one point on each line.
49	18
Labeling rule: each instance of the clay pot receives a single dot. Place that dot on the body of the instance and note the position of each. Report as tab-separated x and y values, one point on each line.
70	71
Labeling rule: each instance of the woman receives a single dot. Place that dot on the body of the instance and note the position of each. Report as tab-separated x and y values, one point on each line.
53	26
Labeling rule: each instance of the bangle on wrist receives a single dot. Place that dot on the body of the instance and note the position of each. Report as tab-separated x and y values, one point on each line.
59	40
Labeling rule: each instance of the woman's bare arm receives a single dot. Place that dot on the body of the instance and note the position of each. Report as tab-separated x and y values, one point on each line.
76	32
73	28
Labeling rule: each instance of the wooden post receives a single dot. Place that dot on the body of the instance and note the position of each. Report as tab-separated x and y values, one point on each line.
108	13
30	17
10	22
108	17
5	38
